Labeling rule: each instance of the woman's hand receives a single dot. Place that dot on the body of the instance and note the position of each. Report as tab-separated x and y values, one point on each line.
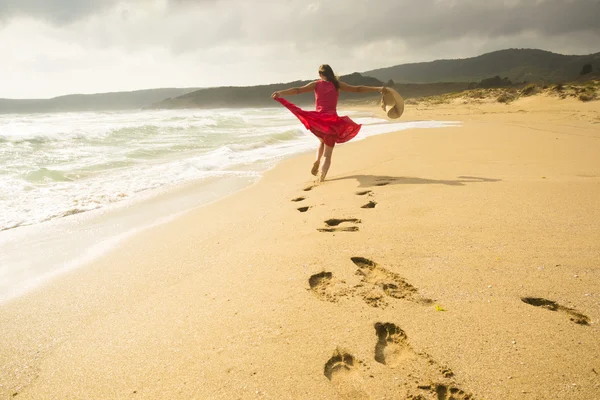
275	95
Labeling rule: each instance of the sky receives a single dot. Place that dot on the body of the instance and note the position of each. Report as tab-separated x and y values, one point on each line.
56	47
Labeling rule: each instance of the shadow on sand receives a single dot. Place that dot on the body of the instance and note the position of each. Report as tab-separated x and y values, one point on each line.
379	180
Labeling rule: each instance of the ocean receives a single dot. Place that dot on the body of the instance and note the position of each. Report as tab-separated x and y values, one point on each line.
96	178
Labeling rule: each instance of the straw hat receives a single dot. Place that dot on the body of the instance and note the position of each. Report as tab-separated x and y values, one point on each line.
392	103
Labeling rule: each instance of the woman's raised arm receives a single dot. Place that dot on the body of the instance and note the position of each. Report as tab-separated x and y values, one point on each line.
344	87
306	88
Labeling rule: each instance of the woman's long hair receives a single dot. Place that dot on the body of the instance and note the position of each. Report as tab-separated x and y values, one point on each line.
327	72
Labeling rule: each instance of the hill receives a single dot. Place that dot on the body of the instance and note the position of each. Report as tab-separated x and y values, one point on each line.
255	96
91	102
411	80
518	65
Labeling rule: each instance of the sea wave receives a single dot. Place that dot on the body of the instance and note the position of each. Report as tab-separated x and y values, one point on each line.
43	175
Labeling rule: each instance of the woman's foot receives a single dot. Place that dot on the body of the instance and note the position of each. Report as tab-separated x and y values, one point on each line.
315	168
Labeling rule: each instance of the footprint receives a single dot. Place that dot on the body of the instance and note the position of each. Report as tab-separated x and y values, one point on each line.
342	372
308	188
303	209
320	279
574	315
341	229
336	222
326	288
363	192
340	361
297	199
439	391
370	204
362	262
393	285
392	347
393	350
449	392
382	183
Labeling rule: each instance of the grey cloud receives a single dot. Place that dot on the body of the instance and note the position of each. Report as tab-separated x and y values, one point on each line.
354	23
57	11
431	20
307	25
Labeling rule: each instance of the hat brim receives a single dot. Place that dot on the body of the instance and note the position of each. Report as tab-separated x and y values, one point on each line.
392	103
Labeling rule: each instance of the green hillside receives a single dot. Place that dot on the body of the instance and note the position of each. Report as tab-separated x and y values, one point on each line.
516	64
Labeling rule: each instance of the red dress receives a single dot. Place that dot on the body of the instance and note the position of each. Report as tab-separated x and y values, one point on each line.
324	122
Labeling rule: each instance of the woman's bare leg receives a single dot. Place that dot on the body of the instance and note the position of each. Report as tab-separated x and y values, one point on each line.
315	168
326	162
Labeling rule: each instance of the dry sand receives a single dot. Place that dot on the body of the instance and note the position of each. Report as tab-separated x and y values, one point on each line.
476	275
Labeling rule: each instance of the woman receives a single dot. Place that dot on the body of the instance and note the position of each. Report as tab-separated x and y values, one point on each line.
324	122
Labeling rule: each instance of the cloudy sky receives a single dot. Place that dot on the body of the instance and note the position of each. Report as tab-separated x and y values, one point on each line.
56	47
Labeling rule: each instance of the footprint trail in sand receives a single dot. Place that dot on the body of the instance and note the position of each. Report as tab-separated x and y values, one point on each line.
378	285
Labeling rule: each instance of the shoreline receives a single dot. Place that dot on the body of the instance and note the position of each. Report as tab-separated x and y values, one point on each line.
59	245
246	297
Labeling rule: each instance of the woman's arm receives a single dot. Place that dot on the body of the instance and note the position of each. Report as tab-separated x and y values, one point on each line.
306	88
344	87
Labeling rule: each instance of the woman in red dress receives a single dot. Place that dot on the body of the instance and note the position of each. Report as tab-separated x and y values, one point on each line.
324	122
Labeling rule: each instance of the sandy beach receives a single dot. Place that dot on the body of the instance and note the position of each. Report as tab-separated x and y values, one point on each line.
452	263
